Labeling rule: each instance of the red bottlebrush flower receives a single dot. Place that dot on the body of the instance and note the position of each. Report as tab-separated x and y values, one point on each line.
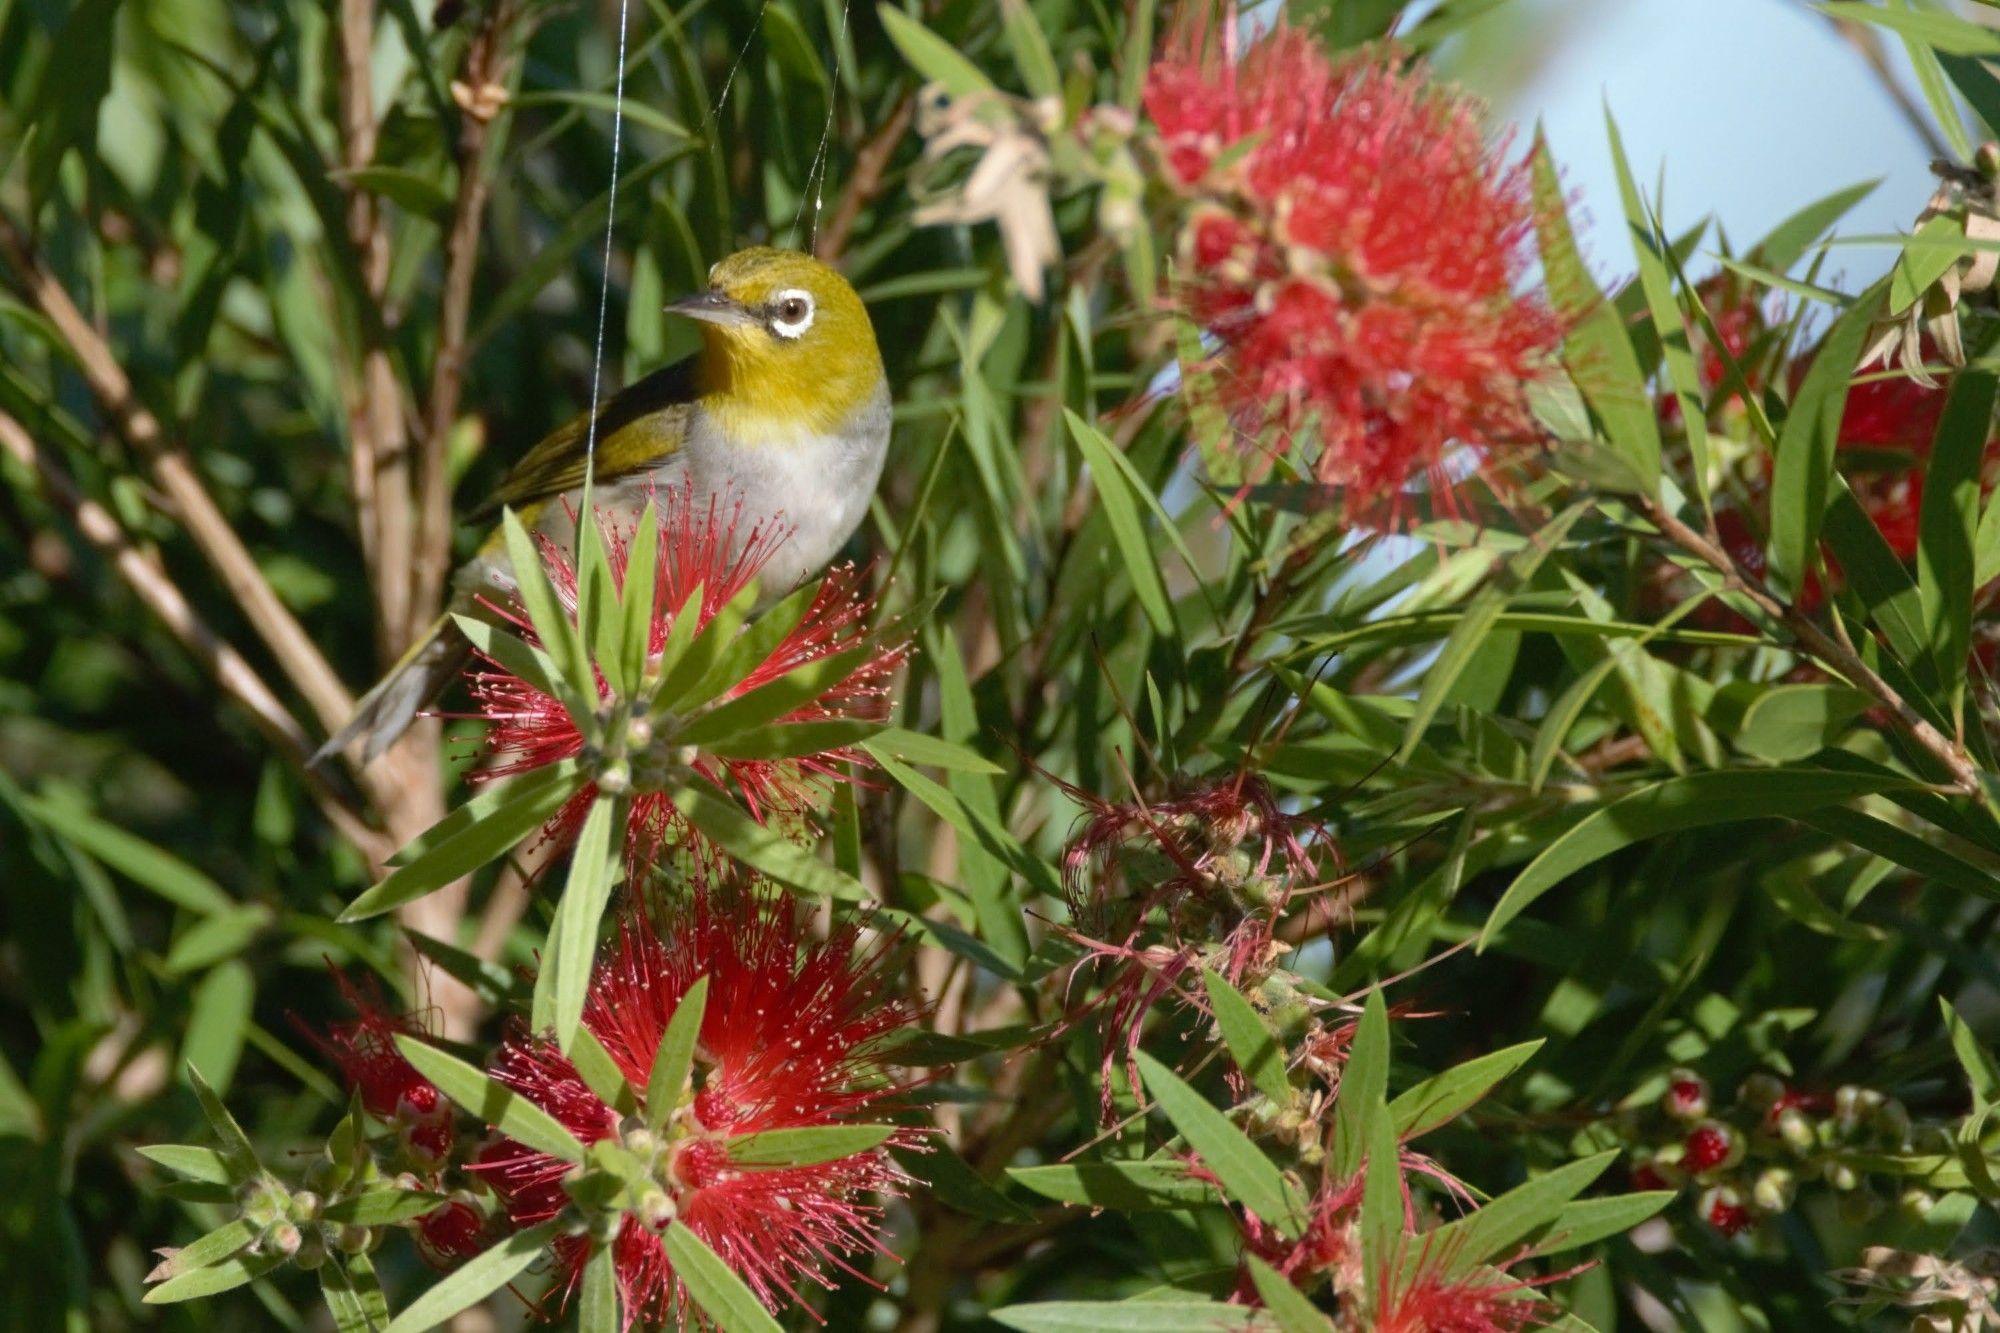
390	1088
1357	248
1159	890
699	547
790	1038
1478	1300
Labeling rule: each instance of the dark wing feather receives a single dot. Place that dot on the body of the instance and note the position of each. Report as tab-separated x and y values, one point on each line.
658	405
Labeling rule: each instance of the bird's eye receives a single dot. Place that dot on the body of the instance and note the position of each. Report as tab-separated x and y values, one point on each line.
791	313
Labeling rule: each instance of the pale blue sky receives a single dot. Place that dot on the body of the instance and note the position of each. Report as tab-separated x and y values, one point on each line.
1754	107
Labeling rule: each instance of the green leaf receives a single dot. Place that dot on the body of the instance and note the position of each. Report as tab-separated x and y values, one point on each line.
718	1291
477	1278
1381	1188
495	1103
1440	1099
1251	1042
1596	349
1873	573
1122	1186
763	849
524	805
673	1060
212	1248
1788	240
1364	1082
415	192
1948	520
1115	487
598	1308
1656	281
1806	444
1945	33
1981	1071
383	1207
807	1146
186	1159
1137	1316
979	826
1586	1221
214	1279
220	935
1247	1175
914	748
931	56
1032	56
572	945
1475	626
1285	1302
484	800
1697	800
1938	245
1786	723
780	698
600	1073
1501	1225
133	857
1930	858
238	1157
954	1182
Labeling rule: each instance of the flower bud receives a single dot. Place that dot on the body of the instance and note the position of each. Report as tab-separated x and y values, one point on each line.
1795	1127
1723	1208
638	733
1892	1122
1712	1146
353	1239
1840	1175
282	1239
305	1206
1669	1164
1686	1097
1761	1090
1774	1190
259	1203
615	778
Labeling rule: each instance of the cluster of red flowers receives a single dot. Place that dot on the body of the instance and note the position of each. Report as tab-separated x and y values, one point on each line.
1357	248
790	1039
791	1032
704	548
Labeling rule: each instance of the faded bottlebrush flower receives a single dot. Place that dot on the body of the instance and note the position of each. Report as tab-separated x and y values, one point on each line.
1357	249
1950	1295
390	1088
790	1038
1158	891
1965	207
700	547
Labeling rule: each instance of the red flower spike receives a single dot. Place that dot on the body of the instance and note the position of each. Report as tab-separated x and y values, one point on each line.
1477	1300
699	547
1358	250
390	1088
789	1039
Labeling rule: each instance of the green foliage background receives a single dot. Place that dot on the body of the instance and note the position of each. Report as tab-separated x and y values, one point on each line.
1782	887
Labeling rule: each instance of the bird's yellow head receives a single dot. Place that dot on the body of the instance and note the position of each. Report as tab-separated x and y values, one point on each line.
786	346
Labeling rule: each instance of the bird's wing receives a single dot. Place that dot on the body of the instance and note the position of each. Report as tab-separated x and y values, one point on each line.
637	428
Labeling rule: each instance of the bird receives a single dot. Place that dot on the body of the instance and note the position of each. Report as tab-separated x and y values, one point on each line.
784	410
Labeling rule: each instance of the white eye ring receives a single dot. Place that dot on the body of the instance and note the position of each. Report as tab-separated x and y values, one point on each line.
792	312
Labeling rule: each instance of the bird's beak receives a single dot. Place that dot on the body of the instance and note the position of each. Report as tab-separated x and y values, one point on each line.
711	307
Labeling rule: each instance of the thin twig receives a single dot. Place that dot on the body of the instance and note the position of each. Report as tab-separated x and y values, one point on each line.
237	679
1839	657
485	69
871	165
191	503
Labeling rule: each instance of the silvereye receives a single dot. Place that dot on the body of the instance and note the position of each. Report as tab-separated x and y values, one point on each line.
784	410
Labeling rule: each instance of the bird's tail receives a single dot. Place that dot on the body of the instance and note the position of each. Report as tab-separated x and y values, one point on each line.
386	711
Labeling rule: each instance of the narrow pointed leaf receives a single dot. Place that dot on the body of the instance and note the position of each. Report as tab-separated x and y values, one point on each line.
719	1292
1364	1081
495	1103
1247	1175
674	1059
1251	1042
806	1146
1801	484
477	1278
